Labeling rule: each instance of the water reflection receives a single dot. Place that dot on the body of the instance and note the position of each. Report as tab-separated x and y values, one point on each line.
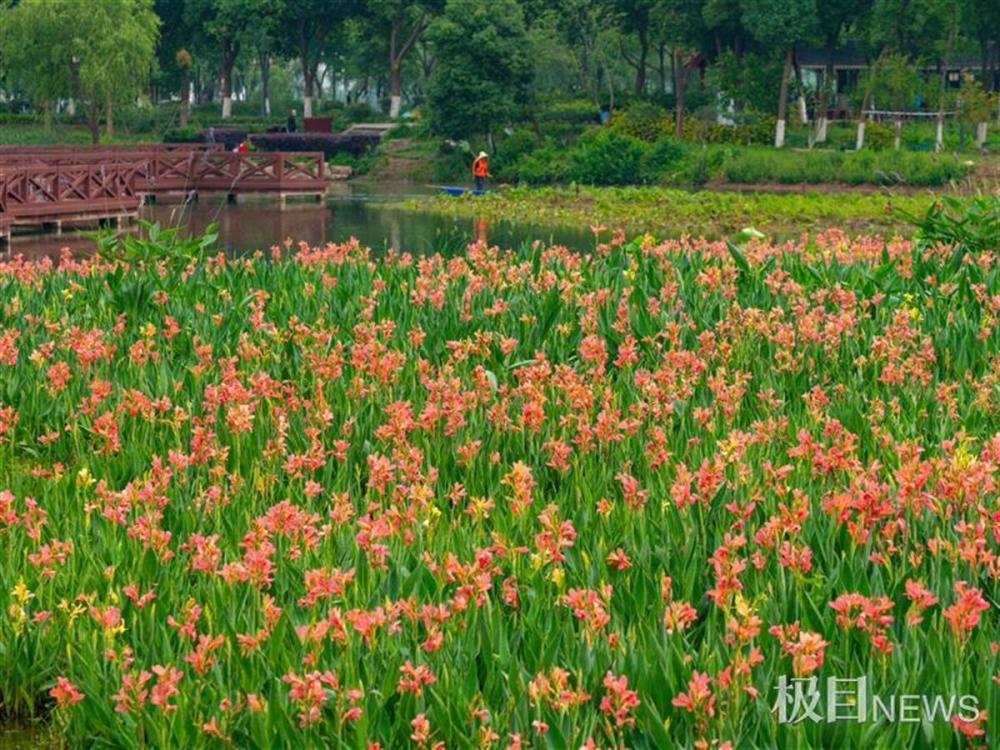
348	212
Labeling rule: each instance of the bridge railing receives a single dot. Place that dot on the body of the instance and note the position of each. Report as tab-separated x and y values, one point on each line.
37	192
37	188
256	171
208	170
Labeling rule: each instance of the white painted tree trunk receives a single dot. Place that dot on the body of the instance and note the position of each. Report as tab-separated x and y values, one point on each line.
859	141
981	134
939	135
821	127
395	104
779	127
307	106
803	110
779	134
898	136
71	107
227	107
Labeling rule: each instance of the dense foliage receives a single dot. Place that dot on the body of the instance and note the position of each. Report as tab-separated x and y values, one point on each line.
469	69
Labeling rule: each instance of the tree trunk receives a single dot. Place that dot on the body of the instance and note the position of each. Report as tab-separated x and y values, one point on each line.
897	141
395	70
397	52
109	117
226	83
680	89
803	109
264	60
939	131
823	105
308	83
866	101
185	98
981	134
395	90
94	121
859	140
779	127
661	54
640	70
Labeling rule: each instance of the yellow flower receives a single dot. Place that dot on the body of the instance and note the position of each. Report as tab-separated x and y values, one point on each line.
84	478
962	459
557	576
20	592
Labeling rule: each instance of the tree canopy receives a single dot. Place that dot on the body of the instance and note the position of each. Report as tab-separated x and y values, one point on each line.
476	65
99	52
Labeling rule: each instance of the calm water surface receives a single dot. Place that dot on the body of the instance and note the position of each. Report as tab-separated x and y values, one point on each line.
349	211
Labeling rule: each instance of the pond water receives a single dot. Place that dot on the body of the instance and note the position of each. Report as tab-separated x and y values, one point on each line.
351	210
36	737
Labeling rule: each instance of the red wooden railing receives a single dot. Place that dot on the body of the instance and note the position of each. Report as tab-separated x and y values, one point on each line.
38	186
235	173
39	194
160	171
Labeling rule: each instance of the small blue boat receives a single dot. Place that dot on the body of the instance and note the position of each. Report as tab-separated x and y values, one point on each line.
457	190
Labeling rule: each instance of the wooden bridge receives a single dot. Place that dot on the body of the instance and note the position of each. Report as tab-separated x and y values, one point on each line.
51	185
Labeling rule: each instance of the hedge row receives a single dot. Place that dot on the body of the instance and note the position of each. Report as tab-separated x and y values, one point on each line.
355	144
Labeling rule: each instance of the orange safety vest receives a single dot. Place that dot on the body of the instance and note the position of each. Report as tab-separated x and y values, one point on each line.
480	168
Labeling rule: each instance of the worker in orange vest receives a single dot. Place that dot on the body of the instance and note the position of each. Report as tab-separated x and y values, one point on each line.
481	170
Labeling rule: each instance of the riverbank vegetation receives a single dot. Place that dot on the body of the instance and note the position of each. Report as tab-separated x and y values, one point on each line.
668	212
589	500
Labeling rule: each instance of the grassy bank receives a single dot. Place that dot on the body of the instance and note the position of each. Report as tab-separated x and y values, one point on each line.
667	212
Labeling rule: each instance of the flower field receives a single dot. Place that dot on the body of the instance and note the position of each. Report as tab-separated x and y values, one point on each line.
528	499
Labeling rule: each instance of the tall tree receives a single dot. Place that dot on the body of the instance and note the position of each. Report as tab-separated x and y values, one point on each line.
225	22
483	67
586	26
403	22
679	25
308	24
262	39
778	25
97	51
637	18
833	18
983	25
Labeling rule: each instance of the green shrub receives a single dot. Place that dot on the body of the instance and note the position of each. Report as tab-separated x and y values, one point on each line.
757	166
543	166
187	134
755	131
573	111
879	136
561	132
660	160
642	120
512	148
606	157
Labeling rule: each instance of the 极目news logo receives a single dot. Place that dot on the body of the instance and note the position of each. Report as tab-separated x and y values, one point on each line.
851	699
